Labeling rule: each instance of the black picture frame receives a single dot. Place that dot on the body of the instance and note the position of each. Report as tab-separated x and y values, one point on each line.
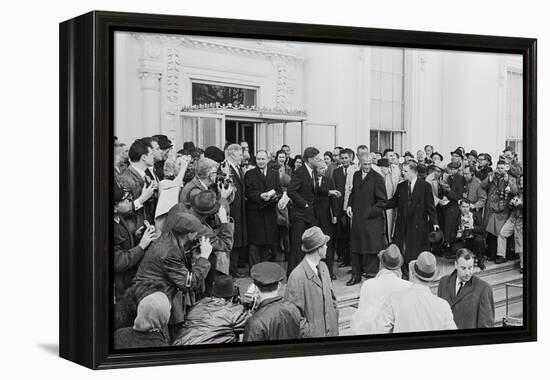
86	131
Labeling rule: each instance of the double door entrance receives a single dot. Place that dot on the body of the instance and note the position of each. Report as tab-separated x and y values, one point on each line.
237	131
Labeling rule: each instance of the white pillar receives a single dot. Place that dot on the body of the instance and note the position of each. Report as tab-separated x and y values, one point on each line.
150	87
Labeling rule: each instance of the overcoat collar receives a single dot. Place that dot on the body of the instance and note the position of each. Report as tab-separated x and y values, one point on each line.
467	288
311	276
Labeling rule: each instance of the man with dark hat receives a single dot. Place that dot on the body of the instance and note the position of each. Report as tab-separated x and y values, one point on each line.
310	288
375	290
164	145
127	255
472	157
484	163
215	319
453	190
274	318
437	159
416	308
457	156
501	188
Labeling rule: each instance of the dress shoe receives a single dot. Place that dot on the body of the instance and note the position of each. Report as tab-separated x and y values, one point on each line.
354	280
500	260
238	275
343	264
481	263
349	271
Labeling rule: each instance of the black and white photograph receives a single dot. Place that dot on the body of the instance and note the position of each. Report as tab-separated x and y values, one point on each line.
269	190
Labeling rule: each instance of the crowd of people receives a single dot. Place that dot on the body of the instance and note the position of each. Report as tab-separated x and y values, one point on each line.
188	223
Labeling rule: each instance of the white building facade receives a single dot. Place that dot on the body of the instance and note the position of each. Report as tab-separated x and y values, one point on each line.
306	94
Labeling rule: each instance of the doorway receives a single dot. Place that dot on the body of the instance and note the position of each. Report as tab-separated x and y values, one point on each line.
237	131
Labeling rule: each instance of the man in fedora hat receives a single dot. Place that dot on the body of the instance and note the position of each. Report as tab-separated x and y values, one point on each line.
215	319
375	290
470	298
416	308
310	288
274	318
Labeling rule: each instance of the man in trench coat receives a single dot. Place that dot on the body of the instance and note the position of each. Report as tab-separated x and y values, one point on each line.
366	207
263	190
309	286
416	215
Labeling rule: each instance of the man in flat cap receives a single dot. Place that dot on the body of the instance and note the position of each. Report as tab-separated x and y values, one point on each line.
275	318
375	290
310	288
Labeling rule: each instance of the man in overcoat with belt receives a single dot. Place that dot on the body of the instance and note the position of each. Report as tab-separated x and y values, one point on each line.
263	190
309	286
416	215
366	207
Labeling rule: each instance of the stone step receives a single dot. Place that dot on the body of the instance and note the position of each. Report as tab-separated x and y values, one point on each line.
515	306
495	275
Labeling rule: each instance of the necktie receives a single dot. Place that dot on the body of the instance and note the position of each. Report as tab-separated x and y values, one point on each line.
460	284
319	273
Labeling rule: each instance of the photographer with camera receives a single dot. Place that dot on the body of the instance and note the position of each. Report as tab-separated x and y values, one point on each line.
274	318
470	233
176	263
500	187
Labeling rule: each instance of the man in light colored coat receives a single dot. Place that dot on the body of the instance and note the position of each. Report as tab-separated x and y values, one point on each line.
309	286
375	291
474	192
416	308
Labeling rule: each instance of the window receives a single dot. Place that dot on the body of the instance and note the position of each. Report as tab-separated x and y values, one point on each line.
211	93
386	99
380	140
514	111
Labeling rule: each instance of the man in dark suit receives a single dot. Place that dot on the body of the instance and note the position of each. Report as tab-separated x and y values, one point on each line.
470	298
139	184
303	194
327	211
342	226
416	215
232	167
263	190
453	189
366	207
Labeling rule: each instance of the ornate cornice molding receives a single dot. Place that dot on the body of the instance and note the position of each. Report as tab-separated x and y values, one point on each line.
214	45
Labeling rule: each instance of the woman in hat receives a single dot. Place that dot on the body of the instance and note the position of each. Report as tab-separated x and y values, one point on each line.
149	329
